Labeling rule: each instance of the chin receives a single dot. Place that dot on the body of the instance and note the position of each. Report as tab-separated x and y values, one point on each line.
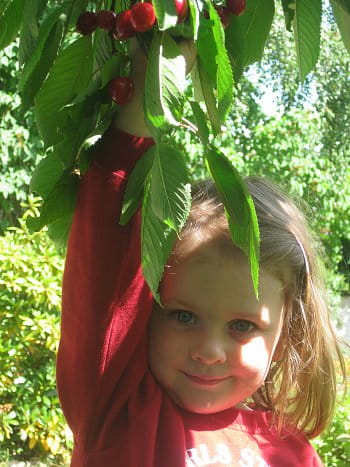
200	409
207	410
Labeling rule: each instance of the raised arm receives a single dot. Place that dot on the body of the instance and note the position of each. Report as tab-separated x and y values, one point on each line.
106	302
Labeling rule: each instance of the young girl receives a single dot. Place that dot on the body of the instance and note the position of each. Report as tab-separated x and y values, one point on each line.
215	377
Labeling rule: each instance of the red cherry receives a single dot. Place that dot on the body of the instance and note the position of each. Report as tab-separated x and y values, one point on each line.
224	15
123	29
121	90
181	9
106	19
142	16
87	23
236	7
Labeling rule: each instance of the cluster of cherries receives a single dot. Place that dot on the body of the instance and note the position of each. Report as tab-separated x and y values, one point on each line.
140	18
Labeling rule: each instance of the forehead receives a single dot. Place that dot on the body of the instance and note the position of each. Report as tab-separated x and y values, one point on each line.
212	280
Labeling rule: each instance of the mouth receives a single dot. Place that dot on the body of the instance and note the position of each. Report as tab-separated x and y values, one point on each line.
205	381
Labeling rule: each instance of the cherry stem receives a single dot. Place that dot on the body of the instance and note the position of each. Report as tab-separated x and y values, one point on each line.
111	33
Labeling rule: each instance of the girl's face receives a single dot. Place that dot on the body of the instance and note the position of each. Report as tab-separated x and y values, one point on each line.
212	345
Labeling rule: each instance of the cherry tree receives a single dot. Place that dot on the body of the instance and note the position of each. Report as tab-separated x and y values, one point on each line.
74	71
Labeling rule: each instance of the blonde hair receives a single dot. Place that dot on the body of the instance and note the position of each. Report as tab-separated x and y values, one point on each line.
300	388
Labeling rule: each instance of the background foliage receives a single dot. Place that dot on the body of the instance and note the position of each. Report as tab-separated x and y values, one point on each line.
31	422
20	144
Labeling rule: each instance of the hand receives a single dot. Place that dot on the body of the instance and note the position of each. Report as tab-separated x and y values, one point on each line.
130	117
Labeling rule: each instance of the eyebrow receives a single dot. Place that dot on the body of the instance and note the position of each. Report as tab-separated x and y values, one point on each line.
179	302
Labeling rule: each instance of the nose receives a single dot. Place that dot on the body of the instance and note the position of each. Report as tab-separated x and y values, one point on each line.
209	352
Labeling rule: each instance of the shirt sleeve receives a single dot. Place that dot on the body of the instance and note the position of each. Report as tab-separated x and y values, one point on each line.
106	303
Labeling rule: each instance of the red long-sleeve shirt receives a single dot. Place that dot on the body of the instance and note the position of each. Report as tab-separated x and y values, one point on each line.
118	413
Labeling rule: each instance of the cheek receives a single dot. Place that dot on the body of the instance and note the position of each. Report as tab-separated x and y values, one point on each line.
166	350
255	356
160	339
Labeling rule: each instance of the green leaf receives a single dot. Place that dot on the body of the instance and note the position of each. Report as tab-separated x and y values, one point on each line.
173	79
105	118
80	120
59	204
306	26
135	186
10	21
102	51
29	32
165	13
153	108
165	84
67	78
195	6
207	49
239	208
4	4
58	231
289	11
170	188
46	174
43	66
111	69
202	84
247	34
83	123
215	61
47	27
200	118
157	240
224	77
341	14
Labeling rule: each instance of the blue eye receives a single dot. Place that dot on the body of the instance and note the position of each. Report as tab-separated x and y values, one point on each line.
242	325
184	317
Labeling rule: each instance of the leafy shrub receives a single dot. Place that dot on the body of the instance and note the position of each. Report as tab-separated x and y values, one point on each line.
31	421
333	445
20	145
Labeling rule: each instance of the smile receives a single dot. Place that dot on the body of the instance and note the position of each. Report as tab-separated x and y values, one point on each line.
205	381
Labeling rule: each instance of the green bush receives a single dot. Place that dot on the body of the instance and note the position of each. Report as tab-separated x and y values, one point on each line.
31	421
333	445
20	144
